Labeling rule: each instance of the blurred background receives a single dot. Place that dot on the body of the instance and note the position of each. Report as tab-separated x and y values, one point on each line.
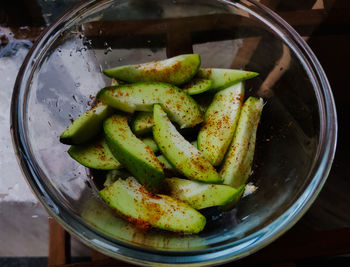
24	225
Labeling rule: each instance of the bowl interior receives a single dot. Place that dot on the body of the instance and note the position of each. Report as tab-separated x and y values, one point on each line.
67	75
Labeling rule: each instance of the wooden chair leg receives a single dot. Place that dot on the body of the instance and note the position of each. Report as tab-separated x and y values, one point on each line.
250	44
59	244
244	54
275	74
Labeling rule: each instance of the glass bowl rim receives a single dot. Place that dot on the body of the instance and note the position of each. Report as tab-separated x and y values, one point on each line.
217	255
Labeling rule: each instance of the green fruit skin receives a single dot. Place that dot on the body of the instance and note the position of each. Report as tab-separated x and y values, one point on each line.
132	153
220	122
197	86
180	153
223	78
200	195
86	126
133	201
177	70
237	164
169	169
230	205
151	144
105	220
95	155
165	163
142	123
179	106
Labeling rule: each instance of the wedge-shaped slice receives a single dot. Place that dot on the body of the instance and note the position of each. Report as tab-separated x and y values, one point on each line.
132	153
220	122
176	70
169	169
236	167
104	218
86	126
133	201
142	123
179	106
200	195
165	163
234	201
151	143
223	78
197	86
181	154
95	155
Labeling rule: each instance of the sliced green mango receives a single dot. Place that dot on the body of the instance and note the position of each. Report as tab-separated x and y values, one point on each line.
176	70
86	126
165	163
169	169
133	201
181	154
223	78
132	153
95	155
234	201
197	86
142	123
236	167
200	195
105	220
151	143
220	122
179	106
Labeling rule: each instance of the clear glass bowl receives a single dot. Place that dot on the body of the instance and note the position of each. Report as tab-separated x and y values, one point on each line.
296	138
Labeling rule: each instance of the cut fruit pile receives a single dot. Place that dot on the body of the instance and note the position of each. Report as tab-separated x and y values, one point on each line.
147	128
